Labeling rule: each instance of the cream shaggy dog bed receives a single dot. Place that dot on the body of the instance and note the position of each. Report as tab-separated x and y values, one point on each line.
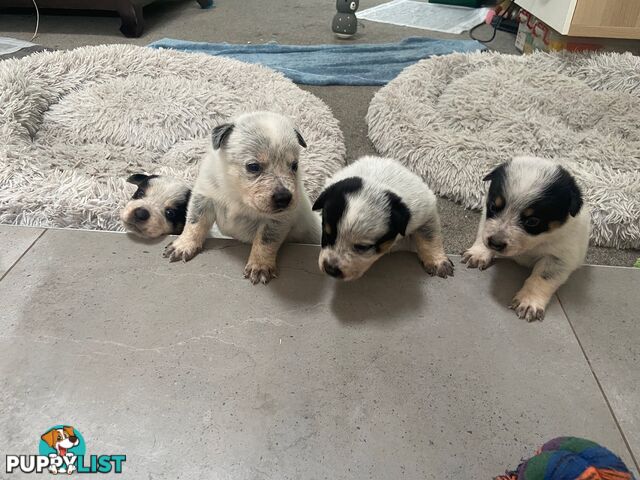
74	124
452	118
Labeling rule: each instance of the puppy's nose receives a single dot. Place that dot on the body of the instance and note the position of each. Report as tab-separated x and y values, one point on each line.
141	214
73	438
496	244
281	198
332	270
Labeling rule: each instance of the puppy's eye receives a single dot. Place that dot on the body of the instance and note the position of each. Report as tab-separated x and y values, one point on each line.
532	222
253	168
169	213
362	248
294	166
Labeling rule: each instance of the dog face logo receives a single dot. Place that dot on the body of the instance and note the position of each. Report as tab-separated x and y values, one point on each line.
63	441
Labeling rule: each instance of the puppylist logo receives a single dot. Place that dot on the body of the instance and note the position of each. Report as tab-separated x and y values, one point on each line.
62	450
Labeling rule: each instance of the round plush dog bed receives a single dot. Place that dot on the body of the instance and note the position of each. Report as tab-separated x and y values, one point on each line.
453	118
74	125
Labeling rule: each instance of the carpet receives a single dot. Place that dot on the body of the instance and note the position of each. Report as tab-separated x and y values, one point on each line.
358	64
74	124
452	119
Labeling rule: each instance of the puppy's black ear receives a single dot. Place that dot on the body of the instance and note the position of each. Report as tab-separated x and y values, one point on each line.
301	141
495	173
575	194
137	178
576	201
319	203
400	214
341	188
220	135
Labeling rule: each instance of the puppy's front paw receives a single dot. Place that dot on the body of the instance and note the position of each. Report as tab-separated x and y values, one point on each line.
256	272
181	249
442	267
528	307
478	257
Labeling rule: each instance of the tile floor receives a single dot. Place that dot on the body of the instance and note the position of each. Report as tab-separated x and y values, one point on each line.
194	373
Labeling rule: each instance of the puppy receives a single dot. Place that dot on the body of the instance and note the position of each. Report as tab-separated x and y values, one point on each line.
534	214
366	207
158	207
250	184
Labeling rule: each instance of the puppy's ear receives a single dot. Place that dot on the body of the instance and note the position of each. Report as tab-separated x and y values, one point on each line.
137	178
220	135
50	437
342	188
301	141
400	214
495	173
576	201
575	194
319	203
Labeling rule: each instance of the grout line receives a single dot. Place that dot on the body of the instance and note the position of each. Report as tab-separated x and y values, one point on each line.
23	254
606	399
624	267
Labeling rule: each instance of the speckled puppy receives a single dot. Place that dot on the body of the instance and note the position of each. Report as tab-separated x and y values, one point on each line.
368	208
250	184
533	214
158	206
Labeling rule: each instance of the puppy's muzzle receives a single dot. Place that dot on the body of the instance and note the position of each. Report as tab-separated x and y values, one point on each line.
281	199
496	243
141	214
332	270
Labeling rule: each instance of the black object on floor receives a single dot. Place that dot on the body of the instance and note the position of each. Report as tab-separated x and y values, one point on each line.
345	22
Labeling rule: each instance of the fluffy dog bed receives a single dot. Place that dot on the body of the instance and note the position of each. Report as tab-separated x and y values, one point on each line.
452	118
74	124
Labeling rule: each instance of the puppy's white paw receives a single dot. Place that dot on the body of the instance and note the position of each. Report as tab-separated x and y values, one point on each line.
528	307
478	257
181	249
442	267
260	273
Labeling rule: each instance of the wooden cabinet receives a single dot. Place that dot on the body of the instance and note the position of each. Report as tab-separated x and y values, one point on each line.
588	18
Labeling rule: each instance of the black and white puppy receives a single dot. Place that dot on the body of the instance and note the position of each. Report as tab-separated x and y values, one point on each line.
533	213
250	184
367	208
158	207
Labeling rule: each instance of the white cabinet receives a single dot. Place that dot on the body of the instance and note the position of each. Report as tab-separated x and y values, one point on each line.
588	18
555	13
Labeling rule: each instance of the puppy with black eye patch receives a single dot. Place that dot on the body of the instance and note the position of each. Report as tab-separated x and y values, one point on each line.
368	208
158	206
534	214
250	184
